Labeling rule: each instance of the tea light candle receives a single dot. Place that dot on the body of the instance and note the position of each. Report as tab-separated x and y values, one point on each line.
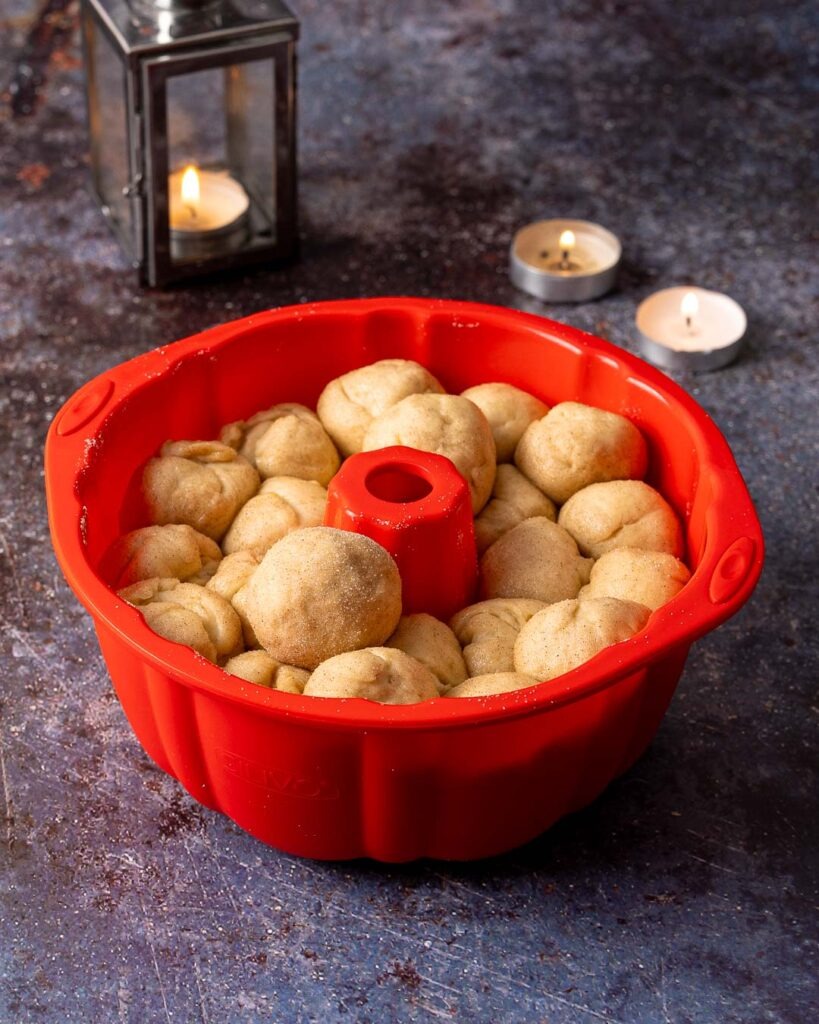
564	260
208	213
690	329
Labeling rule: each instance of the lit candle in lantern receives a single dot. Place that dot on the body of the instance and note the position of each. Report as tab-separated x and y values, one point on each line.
208	213
690	329
564	260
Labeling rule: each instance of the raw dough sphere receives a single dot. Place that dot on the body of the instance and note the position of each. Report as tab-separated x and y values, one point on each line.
258	667
348	404
493	682
172	551
537	559
382	674
447	425
487	631
200	483
576	445
320	592
621	514
285	440
433	643
188	614
650	578
513	499
509	412
230	580
284	503
568	633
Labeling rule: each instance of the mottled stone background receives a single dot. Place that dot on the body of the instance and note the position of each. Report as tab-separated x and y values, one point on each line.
429	132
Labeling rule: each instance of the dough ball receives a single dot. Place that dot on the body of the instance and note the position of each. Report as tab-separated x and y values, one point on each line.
230	580
493	682
487	631
433	643
188	614
576	445
650	578
172	551
258	667
447	425
286	440
284	503
382	674
348	404
537	559
509	411
513	499
319	592
568	633
200	483
621	514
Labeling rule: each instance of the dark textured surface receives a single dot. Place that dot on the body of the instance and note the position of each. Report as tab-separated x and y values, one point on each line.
430	131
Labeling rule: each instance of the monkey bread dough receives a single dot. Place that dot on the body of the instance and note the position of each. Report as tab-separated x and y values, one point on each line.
172	551
650	578
382	674
230	580
487	632
537	559
567	634
514	498
258	667
188	614
349	404
447	425
285	440
509	411
492	683
576	445
433	643
319	592
621	514
199	483
284	503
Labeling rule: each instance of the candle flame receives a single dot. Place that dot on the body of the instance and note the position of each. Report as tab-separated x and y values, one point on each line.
190	187
690	305
566	241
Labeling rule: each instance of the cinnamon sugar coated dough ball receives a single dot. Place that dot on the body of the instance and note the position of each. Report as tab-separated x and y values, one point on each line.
285	440
283	504
568	633
230	581
199	483
447	425
188	614
382	674
509	411
537	559
433	643
258	667
349	404
514	498
650	578
319	592
175	551
621	514
492	683
576	445
487	631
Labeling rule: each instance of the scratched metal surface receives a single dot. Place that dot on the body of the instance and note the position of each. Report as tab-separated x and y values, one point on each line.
429	132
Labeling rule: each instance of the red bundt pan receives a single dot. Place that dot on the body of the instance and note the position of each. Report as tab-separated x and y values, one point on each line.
457	779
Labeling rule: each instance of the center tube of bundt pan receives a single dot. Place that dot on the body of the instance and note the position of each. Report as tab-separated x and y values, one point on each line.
416	505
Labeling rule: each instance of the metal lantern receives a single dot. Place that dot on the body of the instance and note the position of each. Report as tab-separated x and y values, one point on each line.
191	111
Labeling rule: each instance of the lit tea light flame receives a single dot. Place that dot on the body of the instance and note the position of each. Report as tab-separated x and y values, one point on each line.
566	243
190	189
689	307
